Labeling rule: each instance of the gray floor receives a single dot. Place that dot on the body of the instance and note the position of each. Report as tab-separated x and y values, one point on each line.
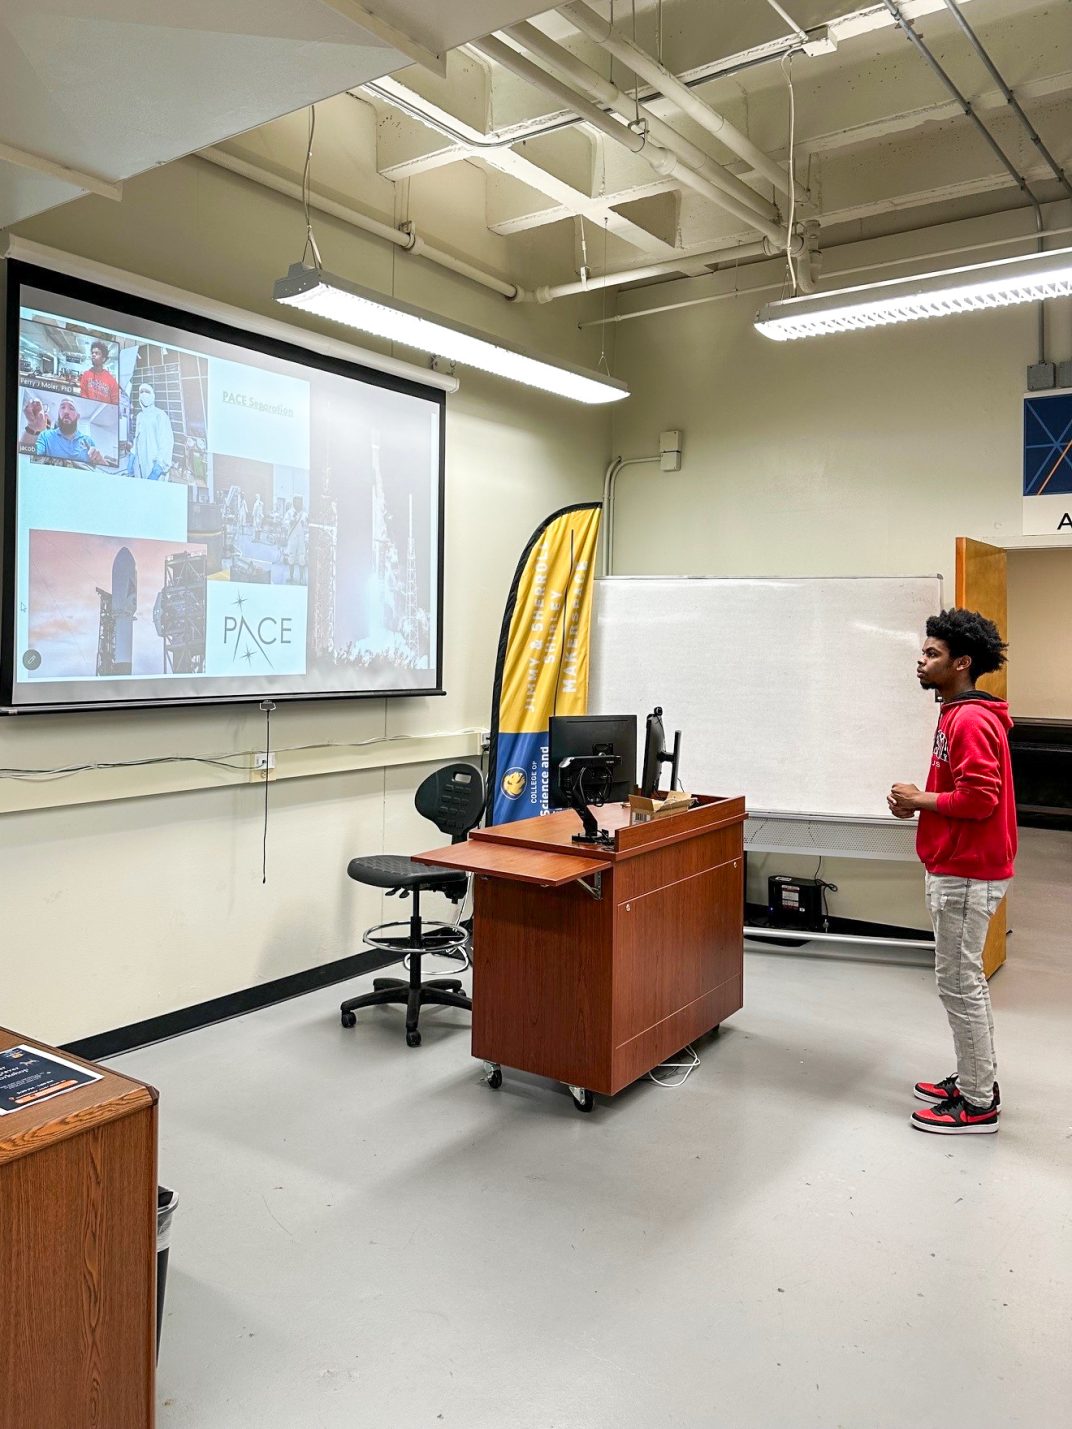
369	1236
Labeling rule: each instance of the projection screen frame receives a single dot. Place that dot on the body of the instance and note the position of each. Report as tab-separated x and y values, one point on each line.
19	275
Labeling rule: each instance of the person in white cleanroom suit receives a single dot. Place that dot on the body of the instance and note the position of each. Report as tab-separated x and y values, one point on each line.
258	514
154	440
298	543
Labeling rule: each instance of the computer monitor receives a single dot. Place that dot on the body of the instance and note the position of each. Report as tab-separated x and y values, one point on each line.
573	735
655	755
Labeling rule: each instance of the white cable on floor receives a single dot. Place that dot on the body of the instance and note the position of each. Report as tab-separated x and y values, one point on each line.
686	1067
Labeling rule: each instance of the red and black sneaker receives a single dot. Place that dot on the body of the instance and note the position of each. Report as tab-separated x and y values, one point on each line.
956	1117
946	1090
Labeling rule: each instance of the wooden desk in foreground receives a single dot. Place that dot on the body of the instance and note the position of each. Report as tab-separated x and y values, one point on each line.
78	1256
593	965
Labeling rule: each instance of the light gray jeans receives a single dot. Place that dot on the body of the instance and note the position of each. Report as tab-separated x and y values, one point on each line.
961	909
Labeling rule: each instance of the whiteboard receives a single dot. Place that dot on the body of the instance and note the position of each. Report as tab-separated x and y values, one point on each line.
800	694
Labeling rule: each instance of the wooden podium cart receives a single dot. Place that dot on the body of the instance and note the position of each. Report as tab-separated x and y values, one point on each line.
78	1256
593	964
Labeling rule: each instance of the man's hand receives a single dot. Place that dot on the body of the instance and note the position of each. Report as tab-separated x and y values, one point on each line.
95	456
898	810
36	415
905	799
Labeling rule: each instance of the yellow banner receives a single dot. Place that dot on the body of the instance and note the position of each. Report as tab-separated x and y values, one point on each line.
546	667
543	659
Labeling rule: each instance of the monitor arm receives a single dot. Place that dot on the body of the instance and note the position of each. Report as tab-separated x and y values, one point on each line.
571	773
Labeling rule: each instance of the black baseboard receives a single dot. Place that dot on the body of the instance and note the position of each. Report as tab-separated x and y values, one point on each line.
234	1004
1036	818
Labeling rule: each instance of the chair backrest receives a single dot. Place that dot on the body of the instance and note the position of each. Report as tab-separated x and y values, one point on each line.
453	798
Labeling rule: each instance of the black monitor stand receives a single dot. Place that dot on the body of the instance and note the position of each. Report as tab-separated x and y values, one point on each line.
571	777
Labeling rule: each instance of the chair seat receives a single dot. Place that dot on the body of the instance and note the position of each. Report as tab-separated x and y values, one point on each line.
385	870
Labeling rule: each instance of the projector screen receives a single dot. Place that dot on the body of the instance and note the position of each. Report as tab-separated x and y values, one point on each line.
193	513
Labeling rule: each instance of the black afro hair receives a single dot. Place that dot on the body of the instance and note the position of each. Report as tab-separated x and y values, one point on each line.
966	632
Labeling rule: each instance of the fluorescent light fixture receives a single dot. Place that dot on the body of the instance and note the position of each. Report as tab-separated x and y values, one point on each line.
315	291
1027	279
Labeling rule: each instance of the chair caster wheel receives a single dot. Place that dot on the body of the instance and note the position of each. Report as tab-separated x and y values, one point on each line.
349	1019
583	1099
413	1039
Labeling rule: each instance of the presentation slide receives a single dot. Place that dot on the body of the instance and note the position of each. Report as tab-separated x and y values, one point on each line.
202	514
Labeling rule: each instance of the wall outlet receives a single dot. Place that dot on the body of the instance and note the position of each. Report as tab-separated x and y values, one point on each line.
263	767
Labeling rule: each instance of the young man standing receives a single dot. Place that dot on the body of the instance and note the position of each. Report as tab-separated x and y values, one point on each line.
966	840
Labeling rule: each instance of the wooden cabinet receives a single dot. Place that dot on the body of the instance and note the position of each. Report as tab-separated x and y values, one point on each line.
592	965
78	1257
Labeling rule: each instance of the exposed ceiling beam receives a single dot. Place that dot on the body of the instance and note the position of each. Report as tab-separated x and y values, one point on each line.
40	165
418	50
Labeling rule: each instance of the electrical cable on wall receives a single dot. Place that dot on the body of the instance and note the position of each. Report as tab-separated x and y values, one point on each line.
267	706
217	761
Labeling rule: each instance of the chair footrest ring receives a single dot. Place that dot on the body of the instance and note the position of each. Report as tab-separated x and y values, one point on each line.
436	937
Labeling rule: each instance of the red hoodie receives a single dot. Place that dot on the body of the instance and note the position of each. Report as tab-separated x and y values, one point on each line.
973	834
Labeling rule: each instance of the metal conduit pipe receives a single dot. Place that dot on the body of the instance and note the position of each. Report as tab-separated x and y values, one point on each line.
641	63
610	476
664	163
408	240
1010	98
604	92
729	252
834	273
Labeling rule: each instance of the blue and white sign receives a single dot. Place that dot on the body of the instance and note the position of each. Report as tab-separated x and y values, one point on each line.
1048	465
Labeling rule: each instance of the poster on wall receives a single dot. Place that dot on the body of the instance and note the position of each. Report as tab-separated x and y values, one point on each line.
1048	465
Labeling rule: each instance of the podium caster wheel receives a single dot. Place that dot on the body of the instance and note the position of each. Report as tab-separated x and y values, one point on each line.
413	1039
583	1099
494	1079
349	1019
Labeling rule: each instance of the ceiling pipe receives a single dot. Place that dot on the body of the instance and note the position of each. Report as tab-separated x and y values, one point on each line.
641	63
760	249
1010	98
604	92
406	239
834	273
666	164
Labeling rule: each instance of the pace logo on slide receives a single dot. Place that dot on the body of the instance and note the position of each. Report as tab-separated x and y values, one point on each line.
255	629
260	415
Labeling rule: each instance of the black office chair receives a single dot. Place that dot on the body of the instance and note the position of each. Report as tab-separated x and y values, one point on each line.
453	798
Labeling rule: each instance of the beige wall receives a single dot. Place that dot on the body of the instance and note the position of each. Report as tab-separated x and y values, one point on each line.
1040	634
861	454
121	910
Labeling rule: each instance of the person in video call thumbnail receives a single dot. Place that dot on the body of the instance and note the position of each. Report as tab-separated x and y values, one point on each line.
154	440
64	442
97	383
